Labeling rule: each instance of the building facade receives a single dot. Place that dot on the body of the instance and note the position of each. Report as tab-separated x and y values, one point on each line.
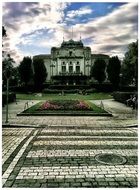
70	63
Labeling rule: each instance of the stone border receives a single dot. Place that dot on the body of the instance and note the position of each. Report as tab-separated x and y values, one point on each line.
65	114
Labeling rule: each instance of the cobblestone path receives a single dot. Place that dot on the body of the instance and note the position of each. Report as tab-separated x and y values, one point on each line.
64	156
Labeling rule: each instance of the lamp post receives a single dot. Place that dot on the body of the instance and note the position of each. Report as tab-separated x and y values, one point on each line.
7	94
7	74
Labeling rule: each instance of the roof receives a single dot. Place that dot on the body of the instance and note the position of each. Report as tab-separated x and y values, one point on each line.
71	44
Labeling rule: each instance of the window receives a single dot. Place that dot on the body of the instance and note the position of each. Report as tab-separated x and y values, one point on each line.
70	53
77	69
70	63
77	62
63	63
63	69
70	69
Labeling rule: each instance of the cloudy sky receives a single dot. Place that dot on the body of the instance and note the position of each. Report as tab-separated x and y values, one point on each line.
33	27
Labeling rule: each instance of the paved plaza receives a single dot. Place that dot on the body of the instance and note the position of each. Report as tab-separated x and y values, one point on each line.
51	151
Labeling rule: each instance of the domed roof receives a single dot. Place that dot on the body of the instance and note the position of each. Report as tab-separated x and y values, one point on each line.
71	43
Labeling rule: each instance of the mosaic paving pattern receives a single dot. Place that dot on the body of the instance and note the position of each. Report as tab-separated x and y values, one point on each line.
65	157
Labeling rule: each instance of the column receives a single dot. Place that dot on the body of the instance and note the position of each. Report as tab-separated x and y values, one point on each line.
67	67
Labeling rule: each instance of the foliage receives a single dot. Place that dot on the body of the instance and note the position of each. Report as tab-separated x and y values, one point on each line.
25	70
130	65
113	70
7	68
122	96
3	32
98	70
11	97
40	73
7	63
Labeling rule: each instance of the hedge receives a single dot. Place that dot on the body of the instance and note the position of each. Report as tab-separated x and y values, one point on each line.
11	97
72	91
123	96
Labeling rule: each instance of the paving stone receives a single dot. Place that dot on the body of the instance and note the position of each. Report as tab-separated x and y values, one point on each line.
71	150
63	185
113	184
124	184
86	184
103	184
120	179
8	183
109	179
44	185
52	185
75	184
94	184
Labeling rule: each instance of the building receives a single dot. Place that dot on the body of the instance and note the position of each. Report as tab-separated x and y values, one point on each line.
70	63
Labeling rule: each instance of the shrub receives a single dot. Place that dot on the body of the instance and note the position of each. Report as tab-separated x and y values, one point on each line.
123	96
104	87
11	97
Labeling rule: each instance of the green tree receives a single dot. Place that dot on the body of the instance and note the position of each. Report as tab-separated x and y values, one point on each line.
25	70
98	70
3	32
130	65
7	68
113	70
40	73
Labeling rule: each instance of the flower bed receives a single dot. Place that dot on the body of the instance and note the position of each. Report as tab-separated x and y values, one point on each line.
65	105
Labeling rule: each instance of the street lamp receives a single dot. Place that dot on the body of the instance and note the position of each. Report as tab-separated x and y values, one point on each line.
7	74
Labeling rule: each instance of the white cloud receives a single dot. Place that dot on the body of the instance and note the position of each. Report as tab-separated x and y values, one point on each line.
109	34
112	33
80	12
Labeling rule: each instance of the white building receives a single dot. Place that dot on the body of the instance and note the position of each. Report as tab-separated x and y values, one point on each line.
70	63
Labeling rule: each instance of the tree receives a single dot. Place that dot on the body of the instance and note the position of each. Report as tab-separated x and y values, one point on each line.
25	70
98	70
113	70
130	65
3	32
40	73
7	68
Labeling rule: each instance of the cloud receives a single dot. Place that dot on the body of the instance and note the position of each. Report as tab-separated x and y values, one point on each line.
24	21
82	11
113	31
44	25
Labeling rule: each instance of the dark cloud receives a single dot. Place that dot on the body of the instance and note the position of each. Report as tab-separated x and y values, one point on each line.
109	48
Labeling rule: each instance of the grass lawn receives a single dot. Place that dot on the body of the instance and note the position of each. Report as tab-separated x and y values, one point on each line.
91	109
92	96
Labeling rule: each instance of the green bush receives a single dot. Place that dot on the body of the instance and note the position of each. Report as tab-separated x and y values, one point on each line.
11	97
123	96
104	87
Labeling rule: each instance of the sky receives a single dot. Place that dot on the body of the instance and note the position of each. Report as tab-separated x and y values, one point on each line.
34	27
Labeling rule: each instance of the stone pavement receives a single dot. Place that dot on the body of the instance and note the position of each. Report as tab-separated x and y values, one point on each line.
61	151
